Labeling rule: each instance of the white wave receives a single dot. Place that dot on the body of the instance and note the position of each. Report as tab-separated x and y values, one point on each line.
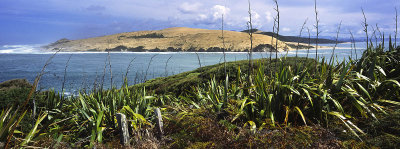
22	49
6	51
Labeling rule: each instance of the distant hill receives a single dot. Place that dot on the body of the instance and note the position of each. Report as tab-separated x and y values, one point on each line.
300	39
294	39
177	39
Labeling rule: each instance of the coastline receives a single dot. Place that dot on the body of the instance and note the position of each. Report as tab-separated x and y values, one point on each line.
160	52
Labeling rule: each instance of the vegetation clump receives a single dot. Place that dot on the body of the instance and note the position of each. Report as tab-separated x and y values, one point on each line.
151	35
13	92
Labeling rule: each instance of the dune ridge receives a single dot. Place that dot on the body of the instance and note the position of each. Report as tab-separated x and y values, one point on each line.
177	39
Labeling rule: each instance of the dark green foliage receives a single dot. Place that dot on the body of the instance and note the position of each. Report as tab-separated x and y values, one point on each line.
294	46
151	35
250	30
299	39
14	92
263	48
124	48
118	49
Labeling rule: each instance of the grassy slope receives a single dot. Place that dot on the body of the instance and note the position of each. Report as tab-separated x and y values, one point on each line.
183	82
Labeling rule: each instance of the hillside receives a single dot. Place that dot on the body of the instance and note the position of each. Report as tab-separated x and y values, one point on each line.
183	82
172	39
300	39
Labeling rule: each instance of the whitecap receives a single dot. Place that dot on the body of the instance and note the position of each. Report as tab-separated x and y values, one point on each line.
22	49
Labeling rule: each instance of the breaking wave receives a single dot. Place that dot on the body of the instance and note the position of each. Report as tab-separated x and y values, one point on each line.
22	49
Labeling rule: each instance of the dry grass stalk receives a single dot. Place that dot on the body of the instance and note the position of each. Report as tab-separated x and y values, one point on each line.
317	28
111	76
250	51
395	33
166	65
309	42
365	26
128	69
250	32
148	67
198	59
298	42
336	43
65	73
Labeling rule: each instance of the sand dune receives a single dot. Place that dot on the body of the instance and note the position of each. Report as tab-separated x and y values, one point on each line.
172	39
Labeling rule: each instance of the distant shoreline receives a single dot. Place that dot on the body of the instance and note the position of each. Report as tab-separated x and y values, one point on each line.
163	52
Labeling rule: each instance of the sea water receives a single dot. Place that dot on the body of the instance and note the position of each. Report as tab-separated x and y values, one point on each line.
85	70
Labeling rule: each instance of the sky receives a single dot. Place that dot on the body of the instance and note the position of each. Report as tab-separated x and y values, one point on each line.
45	21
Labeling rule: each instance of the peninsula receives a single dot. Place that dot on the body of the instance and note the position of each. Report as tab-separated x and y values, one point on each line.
177	39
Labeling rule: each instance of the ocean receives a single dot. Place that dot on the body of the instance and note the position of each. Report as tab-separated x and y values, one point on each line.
85	69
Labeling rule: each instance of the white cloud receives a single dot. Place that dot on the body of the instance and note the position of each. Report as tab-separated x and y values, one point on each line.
286	29
255	19
189	7
269	16
255	15
202	17
206	13
360	32
218	10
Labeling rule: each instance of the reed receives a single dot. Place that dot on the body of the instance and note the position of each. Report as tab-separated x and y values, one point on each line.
353	43
250	52
272	41
309	41
148	67
336	43
109	64
365	26
225	74
166	66
65	73
277	28
125	78
395	33
316	26
104	74
198	59
298	42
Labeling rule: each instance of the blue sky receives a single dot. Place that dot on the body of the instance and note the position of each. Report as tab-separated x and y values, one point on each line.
45	21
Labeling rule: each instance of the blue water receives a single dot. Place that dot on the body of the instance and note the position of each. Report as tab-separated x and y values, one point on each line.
84	69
